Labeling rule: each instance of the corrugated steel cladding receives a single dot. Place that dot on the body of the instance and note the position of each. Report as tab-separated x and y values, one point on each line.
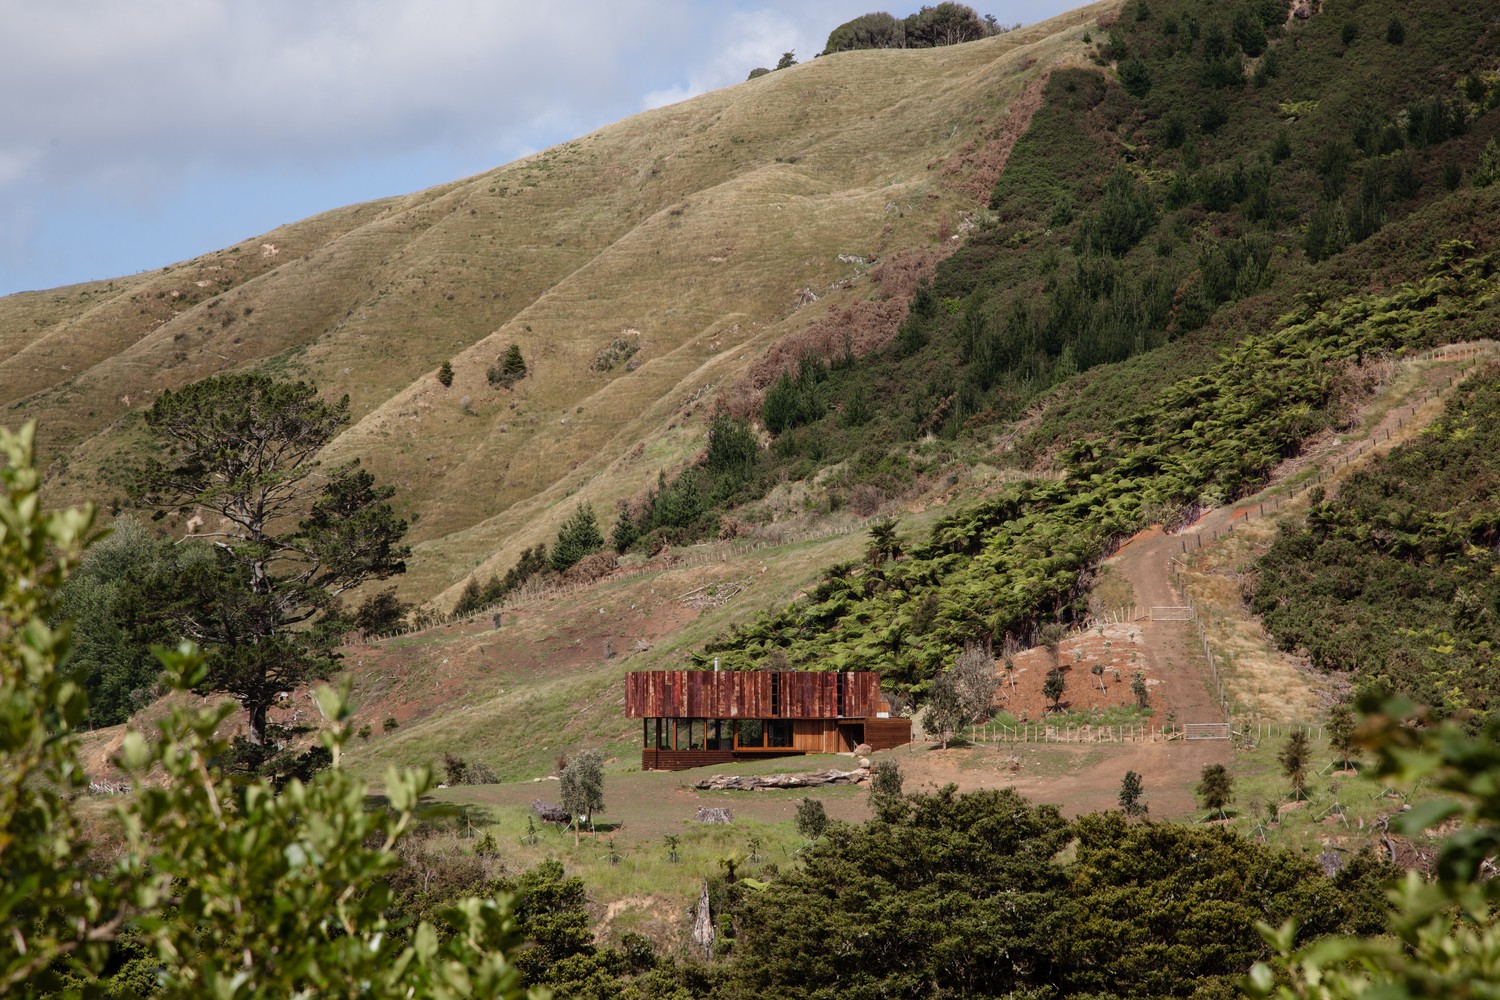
746	694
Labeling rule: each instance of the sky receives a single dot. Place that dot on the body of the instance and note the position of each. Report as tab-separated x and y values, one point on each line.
135	135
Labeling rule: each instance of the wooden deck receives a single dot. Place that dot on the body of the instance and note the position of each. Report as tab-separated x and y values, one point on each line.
682	760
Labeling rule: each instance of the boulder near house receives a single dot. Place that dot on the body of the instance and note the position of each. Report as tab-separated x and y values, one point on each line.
693	718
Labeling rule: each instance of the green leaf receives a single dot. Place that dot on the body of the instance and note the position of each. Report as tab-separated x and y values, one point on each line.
1425	816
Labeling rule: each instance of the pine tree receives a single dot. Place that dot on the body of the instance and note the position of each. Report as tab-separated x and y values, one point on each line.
445	374
509	369
1215	787
578	537
1131	794
1054	687
625	534
1341	733
1294	758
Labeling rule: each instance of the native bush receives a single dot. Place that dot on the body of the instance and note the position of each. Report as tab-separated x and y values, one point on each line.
508	369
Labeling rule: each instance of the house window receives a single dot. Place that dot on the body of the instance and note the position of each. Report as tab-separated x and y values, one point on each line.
775	693
840	686
779	733
752	733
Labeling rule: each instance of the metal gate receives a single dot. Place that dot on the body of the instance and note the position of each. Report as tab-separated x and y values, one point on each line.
1171	614
1205	731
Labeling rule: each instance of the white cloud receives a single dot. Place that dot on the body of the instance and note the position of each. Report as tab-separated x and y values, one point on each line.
110	90
133	104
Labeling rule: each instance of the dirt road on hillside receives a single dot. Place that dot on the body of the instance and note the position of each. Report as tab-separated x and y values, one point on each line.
1145	561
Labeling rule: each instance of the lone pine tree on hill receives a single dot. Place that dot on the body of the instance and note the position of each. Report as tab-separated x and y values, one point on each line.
1341	733
289	536
1131	794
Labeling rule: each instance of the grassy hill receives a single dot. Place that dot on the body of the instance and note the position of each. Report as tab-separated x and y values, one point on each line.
1156	256
692	231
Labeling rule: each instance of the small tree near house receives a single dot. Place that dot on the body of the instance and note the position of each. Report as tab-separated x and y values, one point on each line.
946	710
1294	757
1215	788
1132	792
885	788
1341	733
582	788
974	674
812	819
1054	687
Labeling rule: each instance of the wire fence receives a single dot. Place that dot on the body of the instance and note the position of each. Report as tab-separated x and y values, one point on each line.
1244	513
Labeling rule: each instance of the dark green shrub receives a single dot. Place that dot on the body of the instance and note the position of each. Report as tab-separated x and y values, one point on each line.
465	772
1213	113
732	448
445	374
508	369
380	612
1248	31
1135	77
1125	214
868	31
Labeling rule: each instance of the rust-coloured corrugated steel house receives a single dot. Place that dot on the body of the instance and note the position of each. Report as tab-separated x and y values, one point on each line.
692	718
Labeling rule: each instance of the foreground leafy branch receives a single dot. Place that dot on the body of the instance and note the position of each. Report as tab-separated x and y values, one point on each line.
235	890
1444	937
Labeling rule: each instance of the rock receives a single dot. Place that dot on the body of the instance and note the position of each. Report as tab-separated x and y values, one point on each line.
804	779
714	814
864	762
863	750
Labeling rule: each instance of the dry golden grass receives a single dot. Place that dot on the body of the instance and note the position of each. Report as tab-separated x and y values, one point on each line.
1260	681
697	224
